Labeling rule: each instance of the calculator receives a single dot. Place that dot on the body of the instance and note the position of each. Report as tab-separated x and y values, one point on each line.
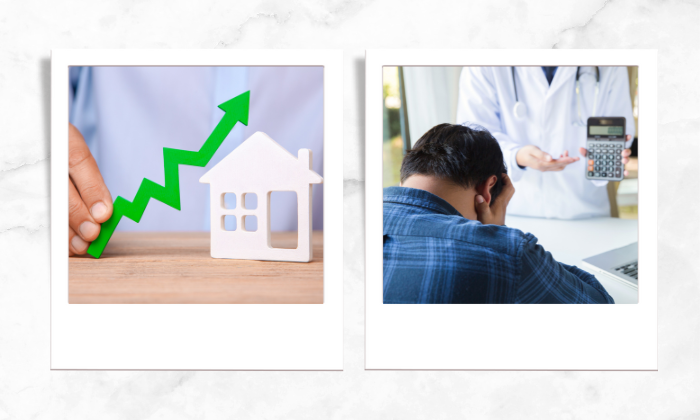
605	143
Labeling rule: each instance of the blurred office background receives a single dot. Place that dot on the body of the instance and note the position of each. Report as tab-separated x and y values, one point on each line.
418	98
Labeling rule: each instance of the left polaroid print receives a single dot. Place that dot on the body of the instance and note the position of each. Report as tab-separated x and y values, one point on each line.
203	208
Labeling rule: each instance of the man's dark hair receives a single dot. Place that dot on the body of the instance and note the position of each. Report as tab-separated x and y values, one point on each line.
465	155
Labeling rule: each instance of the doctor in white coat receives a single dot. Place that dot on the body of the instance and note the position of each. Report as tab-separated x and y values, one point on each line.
543	142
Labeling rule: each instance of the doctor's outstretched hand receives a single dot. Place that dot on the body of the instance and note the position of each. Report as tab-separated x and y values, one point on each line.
494	213
89	200
533	157
625	153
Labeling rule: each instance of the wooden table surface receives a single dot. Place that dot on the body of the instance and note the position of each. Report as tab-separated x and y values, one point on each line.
176	267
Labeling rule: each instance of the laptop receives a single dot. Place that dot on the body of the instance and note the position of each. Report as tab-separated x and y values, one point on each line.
619	264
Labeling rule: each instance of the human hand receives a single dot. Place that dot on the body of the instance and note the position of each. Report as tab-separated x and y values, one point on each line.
495	213
89	200
625	153
532	157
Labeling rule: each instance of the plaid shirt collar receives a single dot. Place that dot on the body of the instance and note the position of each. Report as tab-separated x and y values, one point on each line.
419	198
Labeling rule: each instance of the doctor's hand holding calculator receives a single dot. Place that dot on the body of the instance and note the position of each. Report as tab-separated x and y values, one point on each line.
605	149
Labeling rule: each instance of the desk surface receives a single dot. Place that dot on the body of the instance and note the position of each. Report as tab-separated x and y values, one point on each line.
177	268
570	241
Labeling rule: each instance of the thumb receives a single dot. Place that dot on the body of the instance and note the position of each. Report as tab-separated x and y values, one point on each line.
481	206
540	155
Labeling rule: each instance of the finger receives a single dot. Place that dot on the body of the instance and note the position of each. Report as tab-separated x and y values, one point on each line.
506	180
83	170
71	234
555	168
559	163
628	137
540	155
566	153
626	173
481	206
625	160
79	218
583	151
508	189
75	244
626	152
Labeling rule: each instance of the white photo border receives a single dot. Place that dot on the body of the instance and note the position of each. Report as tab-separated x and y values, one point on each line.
199	336
511	337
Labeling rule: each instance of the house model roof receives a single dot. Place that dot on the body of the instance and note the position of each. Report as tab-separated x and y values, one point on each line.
261	156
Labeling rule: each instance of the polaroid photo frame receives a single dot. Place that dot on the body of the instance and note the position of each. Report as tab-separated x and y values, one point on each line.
199	336
512	337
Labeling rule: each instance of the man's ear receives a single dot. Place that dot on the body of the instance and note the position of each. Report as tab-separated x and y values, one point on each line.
484	189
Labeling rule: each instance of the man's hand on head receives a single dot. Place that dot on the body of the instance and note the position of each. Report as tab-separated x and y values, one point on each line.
89	200
532	157
495	213
625	153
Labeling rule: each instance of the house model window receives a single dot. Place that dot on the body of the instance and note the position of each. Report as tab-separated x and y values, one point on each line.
240	187
229	219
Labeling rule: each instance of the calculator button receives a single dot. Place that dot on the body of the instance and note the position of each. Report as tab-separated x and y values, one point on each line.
590	173
617	173
597	174
590	162
603	174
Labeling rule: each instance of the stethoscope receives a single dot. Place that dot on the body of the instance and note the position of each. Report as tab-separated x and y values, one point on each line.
520	110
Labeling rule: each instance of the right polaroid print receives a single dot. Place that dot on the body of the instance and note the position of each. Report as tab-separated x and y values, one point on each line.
511	177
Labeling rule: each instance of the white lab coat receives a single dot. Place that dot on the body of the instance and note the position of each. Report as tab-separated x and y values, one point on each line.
486	98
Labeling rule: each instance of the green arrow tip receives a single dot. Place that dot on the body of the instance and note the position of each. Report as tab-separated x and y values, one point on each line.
238	107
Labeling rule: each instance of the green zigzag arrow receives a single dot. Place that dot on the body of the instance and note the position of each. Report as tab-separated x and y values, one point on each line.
235	110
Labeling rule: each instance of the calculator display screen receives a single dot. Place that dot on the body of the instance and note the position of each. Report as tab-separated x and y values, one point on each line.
605	130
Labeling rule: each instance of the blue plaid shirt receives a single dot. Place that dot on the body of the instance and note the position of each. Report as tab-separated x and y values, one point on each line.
434	255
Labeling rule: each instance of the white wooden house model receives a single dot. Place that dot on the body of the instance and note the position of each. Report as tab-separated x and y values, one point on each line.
259	166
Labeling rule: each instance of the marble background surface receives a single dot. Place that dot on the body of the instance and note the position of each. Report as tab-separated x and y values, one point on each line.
29	29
